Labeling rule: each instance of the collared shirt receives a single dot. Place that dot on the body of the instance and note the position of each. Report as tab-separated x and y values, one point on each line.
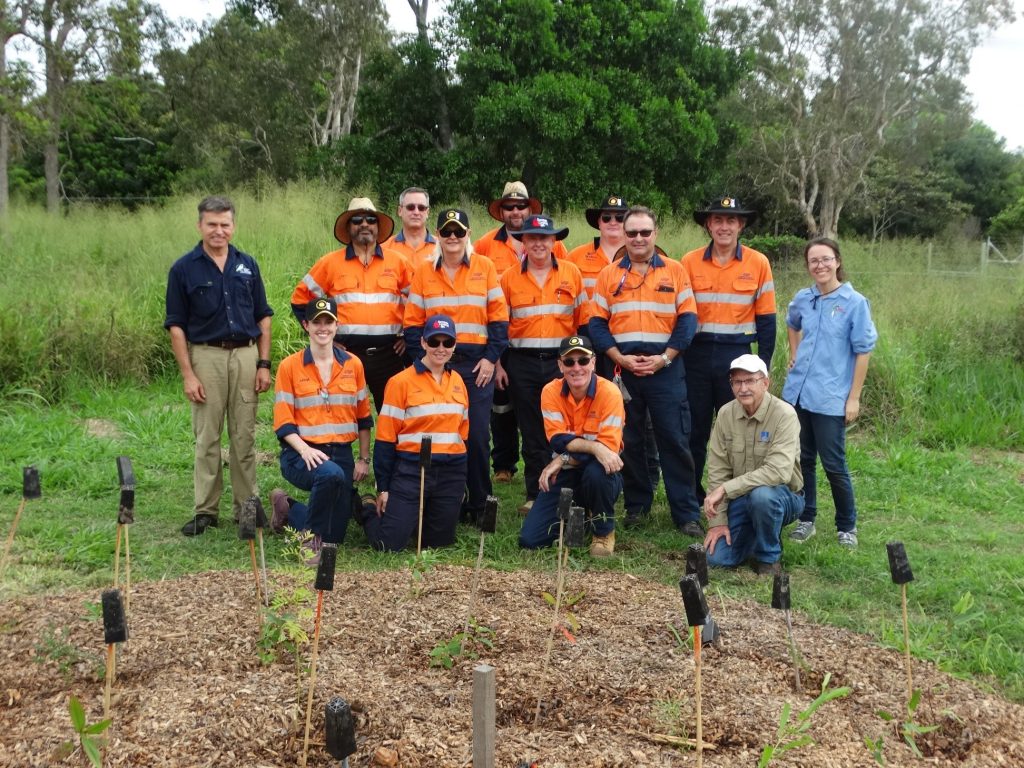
643	314
417	406
317	411
495	246
370	298
729	297
473	299
836	329
540	316
211	305
599	416
747	452
412	255
591	259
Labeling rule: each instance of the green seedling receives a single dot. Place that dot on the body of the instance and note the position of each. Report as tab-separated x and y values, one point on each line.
908	730
87	733
282	631
793	734
54	646
569	620
467	645
420	565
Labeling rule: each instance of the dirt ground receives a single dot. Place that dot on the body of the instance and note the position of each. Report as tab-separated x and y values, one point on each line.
190	690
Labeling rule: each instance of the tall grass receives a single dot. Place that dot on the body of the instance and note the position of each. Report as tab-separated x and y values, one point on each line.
84	300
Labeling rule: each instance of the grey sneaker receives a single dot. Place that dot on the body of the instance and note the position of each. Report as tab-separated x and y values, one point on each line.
848	539
803	531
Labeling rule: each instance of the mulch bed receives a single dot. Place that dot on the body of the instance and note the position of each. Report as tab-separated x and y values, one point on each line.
190	690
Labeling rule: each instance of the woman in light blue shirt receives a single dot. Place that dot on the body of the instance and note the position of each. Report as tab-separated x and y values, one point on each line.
831	336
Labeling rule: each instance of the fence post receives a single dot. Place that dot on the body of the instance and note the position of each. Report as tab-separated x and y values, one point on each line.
483	716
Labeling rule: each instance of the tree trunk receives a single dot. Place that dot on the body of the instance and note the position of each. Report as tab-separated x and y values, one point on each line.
5	134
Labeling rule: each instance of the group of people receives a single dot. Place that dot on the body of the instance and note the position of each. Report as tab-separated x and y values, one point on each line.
609	362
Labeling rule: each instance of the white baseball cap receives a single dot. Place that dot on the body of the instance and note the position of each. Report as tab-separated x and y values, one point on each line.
749	363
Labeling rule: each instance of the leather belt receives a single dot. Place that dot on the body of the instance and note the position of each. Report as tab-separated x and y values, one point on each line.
229	343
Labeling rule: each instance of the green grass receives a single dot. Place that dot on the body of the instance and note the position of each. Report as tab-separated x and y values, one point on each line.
957	511
936	457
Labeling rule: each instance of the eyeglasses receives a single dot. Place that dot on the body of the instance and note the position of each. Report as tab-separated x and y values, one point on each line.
433	342
459	233
740	383
607	217
514	206
632	234
821	261
357	220
581	361
417	207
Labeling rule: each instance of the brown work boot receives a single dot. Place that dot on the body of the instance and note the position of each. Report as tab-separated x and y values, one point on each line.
603	546
525	507
503	476
279	502
766	569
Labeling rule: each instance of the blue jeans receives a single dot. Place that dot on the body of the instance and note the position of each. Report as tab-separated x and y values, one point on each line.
825	436
592	488
755	525
330	491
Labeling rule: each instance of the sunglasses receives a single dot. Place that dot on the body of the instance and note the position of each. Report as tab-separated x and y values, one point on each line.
453	232
417	207
607	217
357	220
433	342
644	233
581	361
514	206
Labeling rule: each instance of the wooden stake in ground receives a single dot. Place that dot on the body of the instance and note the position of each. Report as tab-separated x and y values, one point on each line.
780	601
488	524
324	582
483	716
247	532
696	614
425	447
340	730
29	490
564	505
115	630
261	523
125	517
899	567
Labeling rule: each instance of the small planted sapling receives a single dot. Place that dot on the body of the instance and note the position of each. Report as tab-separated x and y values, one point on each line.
793	733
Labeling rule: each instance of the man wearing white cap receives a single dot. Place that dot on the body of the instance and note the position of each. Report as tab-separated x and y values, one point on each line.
754	478
370	285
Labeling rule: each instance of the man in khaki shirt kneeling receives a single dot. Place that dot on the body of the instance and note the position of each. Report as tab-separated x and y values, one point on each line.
753	471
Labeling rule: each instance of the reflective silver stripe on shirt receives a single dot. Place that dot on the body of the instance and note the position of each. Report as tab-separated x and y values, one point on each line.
535	342
661	338
611	421
385	329
327	429
726	328
367	298
312	401
553	415
769	286
393	411
314	286
542	309
433	409
643	306
470	329
724	298
284	397
455	301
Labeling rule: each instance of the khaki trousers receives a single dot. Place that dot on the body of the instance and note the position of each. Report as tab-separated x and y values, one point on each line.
229	378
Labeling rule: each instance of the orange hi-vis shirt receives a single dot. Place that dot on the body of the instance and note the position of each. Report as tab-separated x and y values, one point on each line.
319	412
473	300
417	406
730	297
496	246
599	416
370	299
640	312
591	259
540	316
412	255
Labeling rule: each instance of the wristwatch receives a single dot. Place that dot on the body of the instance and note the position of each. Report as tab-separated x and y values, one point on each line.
667	359
565	460
263	364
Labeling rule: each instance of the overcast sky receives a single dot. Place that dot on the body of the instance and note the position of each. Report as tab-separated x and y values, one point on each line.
992	82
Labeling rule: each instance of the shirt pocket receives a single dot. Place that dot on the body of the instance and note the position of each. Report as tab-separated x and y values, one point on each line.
522	299
744	289
699	283
204	300
387	284
344	284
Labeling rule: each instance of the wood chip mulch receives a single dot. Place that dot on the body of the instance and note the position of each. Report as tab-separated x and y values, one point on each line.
190	690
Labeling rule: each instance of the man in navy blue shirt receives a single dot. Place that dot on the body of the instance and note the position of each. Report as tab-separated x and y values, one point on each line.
219	322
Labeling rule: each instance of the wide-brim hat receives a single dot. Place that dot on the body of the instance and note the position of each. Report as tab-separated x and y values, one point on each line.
540	225
612	203
514	191
726	206
357	205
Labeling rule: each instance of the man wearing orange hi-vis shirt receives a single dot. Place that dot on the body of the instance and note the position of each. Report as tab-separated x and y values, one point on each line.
643	318
370	284
545	301
735	295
